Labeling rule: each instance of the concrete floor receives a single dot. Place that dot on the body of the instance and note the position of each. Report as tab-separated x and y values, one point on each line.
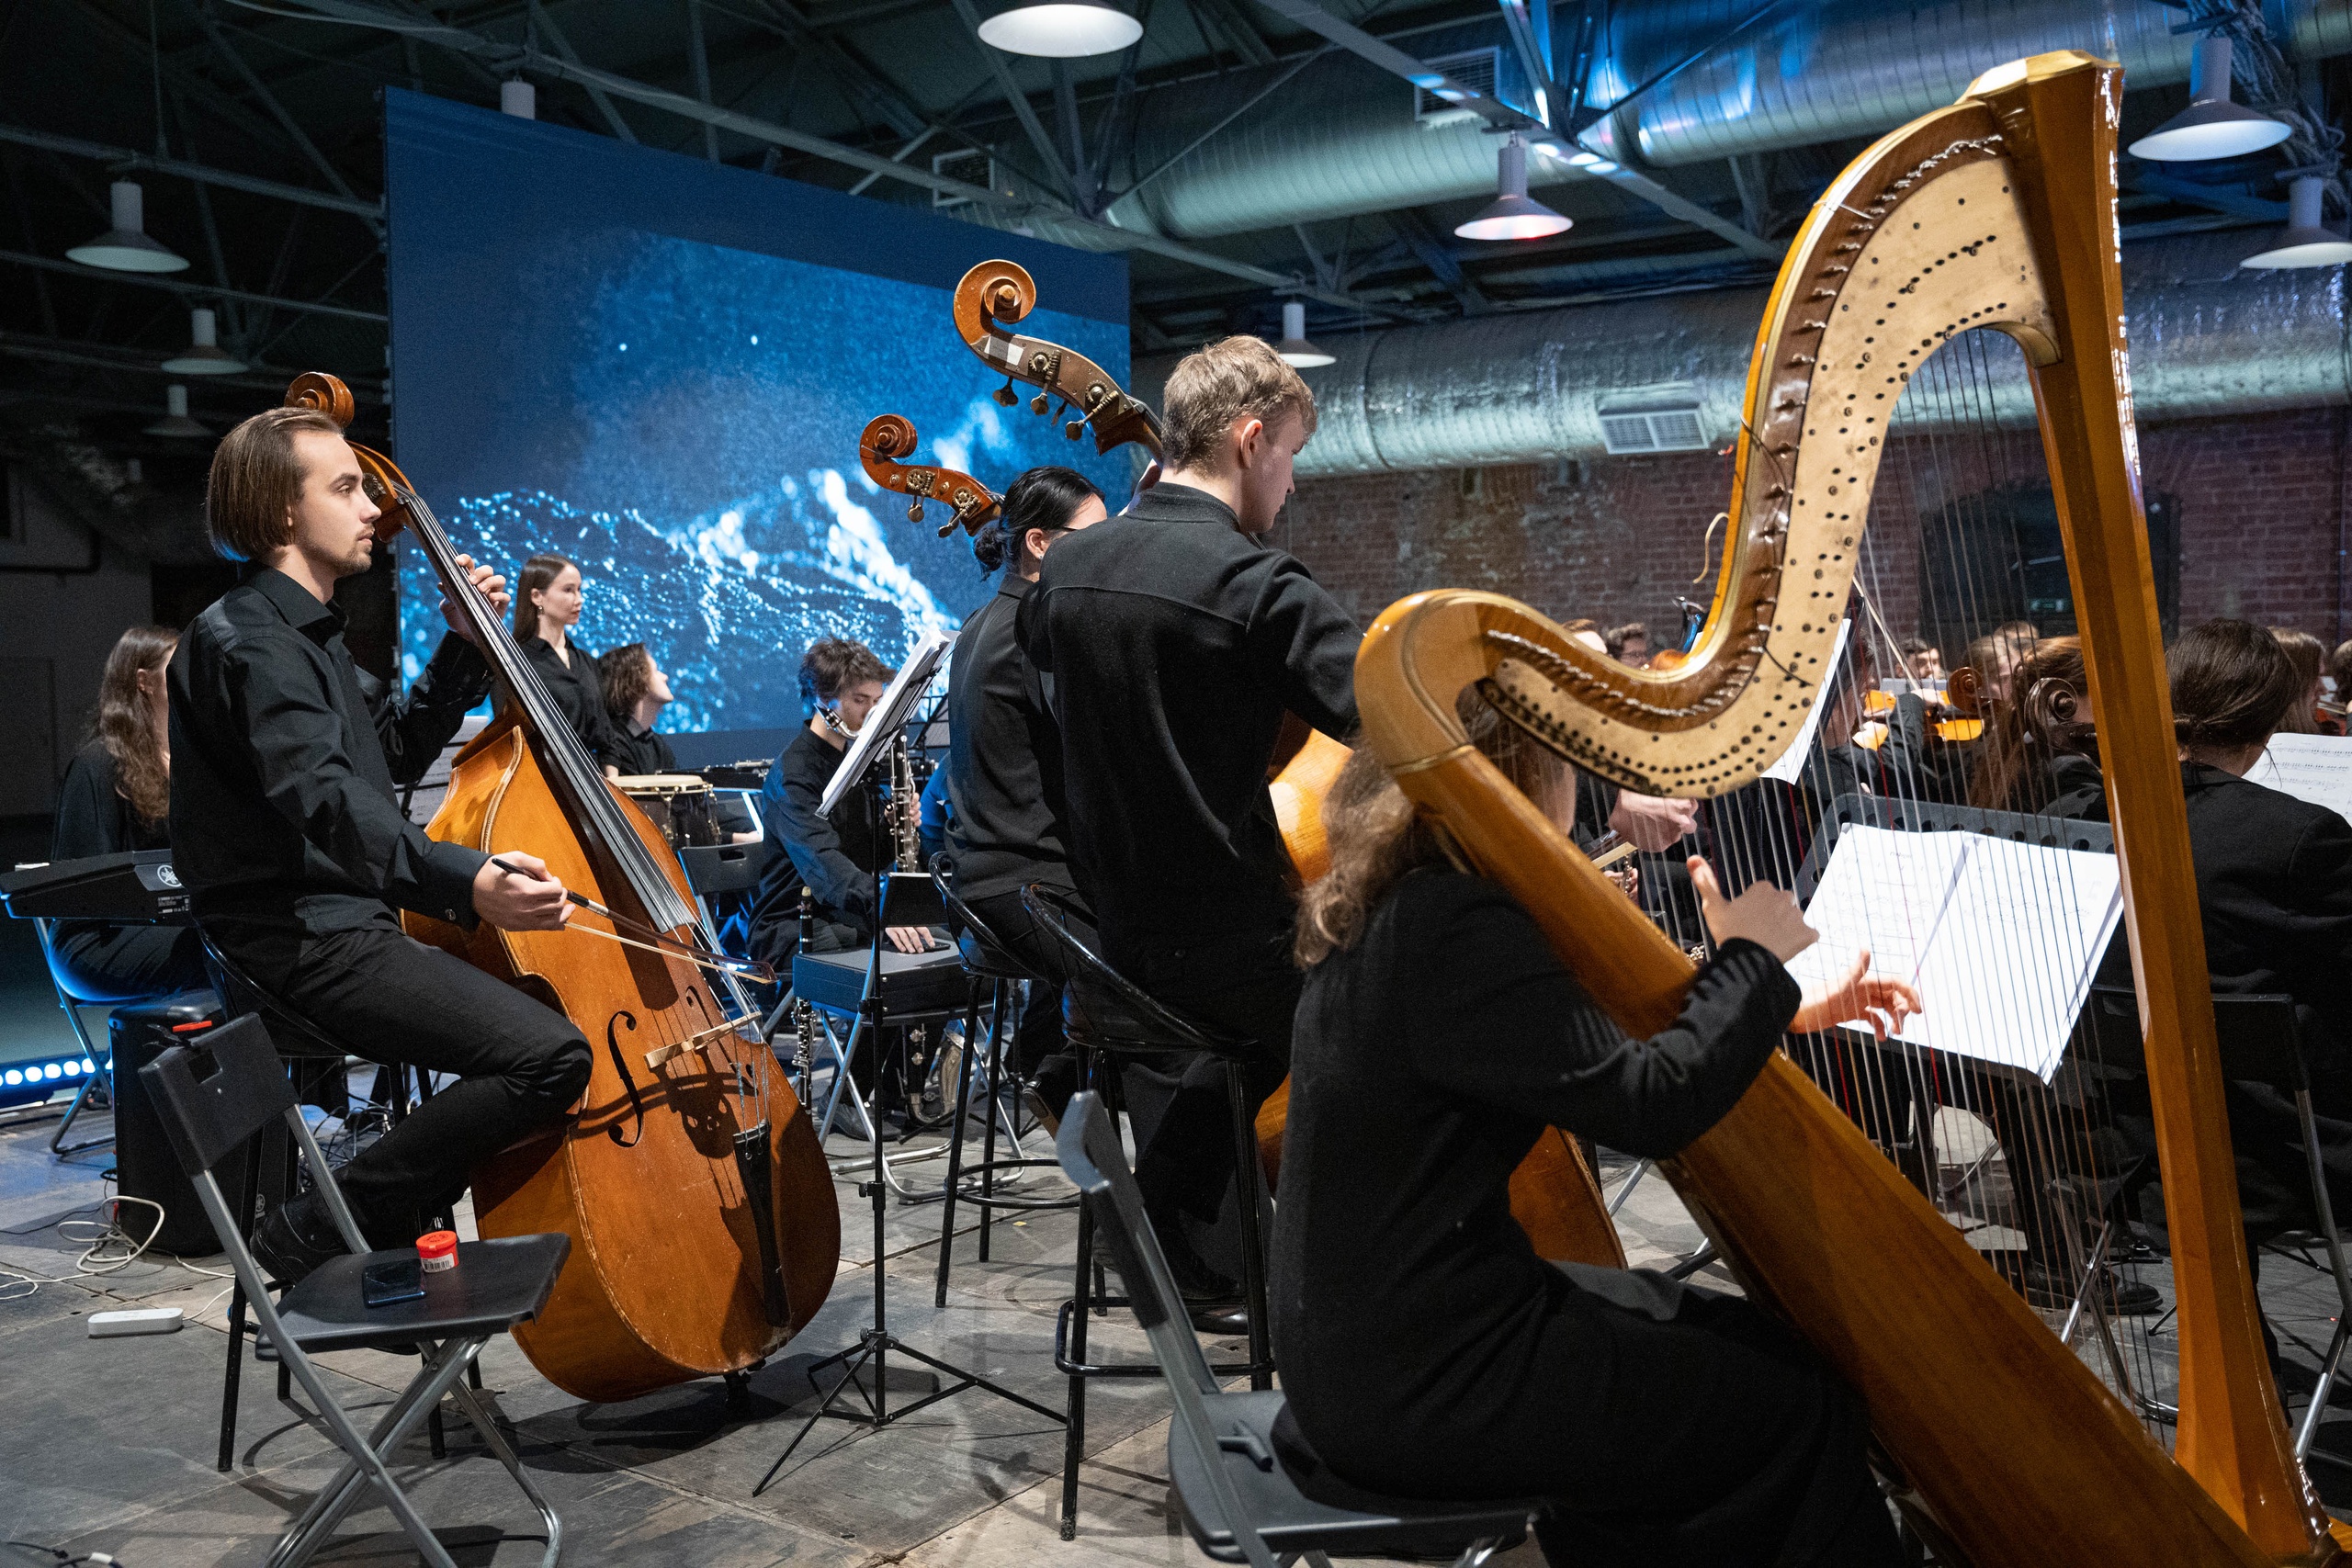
107	1445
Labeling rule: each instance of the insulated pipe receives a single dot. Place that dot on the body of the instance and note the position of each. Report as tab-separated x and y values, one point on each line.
2205	339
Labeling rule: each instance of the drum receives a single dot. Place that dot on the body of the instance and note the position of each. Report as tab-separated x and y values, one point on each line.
679	803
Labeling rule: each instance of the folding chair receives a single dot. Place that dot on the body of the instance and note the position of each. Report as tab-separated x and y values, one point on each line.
495	1285
1235	1462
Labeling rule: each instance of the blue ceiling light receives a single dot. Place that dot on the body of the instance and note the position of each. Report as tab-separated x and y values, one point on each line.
2212	126
1511	215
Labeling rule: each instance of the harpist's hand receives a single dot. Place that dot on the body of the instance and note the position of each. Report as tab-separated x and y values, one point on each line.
492	586
1880	1000
1761	914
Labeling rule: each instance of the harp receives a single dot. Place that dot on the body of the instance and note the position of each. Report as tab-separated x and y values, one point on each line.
1997	212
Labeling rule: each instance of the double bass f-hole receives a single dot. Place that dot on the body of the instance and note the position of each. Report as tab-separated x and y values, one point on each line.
612	1025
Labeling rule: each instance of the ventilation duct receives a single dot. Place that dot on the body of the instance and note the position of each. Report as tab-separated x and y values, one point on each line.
2205	341
1343	137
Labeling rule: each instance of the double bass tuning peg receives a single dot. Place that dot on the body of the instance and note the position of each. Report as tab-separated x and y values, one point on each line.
915	512
1005	395
1037	404
1074	429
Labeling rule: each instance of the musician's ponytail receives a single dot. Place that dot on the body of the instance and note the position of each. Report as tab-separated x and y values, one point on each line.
2232	684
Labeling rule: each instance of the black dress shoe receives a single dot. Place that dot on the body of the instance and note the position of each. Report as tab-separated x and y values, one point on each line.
288	1244
2053	1290
1225	1319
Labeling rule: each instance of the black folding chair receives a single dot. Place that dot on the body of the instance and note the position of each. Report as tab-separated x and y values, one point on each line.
1235	1460
495	1285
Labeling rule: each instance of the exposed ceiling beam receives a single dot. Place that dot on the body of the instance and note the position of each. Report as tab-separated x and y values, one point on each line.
1013	96
77	351
1433	253
602	101
293	129
197	290
1395	61
123	158
461	41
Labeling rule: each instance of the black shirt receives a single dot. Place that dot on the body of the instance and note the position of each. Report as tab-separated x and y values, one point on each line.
639	751
1428	1059
834	857
285	756
1175	643
93	818
1005	759
578	693
2274	883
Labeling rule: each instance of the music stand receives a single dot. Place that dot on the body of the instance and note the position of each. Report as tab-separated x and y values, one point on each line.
900	897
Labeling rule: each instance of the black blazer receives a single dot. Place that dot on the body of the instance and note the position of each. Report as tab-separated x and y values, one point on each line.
2274	879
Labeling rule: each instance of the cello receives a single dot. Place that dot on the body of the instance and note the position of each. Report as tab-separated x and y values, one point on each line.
1554	1194
701	1213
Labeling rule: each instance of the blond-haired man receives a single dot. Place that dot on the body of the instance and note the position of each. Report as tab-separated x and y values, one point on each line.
1175	639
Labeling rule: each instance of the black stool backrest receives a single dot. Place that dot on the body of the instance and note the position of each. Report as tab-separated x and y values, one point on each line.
2261	1036
1105	1008
986	955
207	1120
242	993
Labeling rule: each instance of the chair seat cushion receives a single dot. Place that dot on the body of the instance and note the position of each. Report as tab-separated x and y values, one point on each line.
495	1285
1291	1521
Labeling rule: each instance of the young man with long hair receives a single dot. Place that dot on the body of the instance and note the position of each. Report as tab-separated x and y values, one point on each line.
287	832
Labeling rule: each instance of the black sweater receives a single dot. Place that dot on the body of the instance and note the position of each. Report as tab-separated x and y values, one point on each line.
1005	759
635	753
93	818
1175	642
1428	1059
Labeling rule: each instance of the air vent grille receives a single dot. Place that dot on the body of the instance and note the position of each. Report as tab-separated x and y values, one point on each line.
1652	430
1477	69
971	165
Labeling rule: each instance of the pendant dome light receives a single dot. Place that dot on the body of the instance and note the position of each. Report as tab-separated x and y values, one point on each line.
2306	240
126	247
2212	126
1295	349
175	422
1060	29
1511	215
203	355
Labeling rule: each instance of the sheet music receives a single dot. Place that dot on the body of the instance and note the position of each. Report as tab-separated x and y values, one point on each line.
1792	761
2001	939
2316	768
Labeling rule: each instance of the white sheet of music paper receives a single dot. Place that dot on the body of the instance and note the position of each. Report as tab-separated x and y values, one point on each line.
2316	768
2000	938
1792	760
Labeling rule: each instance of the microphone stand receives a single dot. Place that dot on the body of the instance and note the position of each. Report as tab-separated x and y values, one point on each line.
900	897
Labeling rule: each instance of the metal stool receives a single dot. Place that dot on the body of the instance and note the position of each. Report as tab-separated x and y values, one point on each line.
986	962
1107	1017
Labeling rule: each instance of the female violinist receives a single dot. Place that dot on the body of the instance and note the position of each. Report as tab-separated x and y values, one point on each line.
118	796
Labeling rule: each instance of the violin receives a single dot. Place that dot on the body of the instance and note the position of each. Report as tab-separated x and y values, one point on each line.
703	1223
1876	703
890	437
997	292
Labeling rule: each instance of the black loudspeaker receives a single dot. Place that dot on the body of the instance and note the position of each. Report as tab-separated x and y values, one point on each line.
145	1166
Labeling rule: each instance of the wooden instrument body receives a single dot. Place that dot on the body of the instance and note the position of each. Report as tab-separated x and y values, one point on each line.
2024	1457
663	1283
882	449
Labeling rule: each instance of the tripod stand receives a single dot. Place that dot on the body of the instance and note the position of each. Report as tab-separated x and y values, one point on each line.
900	897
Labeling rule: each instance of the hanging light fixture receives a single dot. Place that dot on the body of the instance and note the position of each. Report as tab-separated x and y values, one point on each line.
2306	240
1511	215
1060	29
1295	349
175	422
2212	126
126	247
203	355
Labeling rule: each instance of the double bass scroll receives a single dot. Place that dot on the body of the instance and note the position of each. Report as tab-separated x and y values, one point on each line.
882	449
998	292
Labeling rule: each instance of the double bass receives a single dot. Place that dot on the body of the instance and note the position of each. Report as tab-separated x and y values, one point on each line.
1554	1194
704	1228
882	450
1999	213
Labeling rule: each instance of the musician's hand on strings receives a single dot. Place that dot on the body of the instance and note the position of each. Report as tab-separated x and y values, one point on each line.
1763	914
512	903
908	939
492	587
1880	1000
1651	822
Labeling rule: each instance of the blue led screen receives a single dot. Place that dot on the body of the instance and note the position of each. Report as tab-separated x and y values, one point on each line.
660	367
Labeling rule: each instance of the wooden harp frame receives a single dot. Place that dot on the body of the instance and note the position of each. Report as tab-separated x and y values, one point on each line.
1997	212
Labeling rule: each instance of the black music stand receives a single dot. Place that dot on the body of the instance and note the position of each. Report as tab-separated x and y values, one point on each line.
905	898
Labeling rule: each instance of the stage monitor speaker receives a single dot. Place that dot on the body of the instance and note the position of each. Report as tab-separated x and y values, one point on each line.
145	1166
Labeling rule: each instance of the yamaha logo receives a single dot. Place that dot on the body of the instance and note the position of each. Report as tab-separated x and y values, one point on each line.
167	877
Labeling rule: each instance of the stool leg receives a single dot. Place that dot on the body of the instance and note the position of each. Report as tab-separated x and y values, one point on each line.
989	1118
1246	1187
1074	1431
230	1384
956	1151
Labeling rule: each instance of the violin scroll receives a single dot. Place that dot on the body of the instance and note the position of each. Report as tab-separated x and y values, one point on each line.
890	437
998	292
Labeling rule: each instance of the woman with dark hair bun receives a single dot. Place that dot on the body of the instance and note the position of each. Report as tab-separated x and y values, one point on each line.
1005	759
118	796
547	606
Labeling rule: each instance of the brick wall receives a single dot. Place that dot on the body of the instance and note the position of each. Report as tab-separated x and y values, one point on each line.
2259	504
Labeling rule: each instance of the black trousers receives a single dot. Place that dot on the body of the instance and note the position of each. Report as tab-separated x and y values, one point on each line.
389	999
103	963
1039	1050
